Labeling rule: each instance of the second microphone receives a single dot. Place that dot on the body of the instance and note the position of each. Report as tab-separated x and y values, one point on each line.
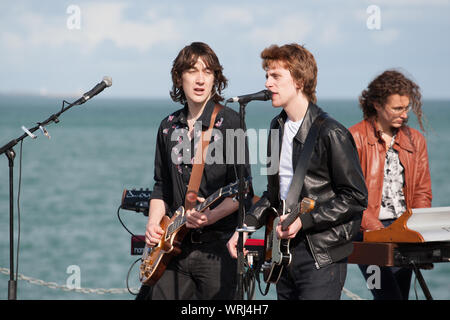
262	95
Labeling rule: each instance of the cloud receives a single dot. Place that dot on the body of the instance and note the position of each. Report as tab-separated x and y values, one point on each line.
229	15
106	21
293	28
330	34
99	22
11	40
385	36
403	3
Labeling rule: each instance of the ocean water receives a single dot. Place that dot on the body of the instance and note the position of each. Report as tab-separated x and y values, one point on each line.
72	186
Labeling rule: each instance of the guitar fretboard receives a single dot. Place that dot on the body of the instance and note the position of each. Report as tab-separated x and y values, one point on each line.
181	218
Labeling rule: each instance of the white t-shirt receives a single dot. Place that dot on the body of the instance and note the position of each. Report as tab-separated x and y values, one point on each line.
286	170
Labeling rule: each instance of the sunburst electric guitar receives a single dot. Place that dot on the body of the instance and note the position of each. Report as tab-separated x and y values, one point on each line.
155	259
277	254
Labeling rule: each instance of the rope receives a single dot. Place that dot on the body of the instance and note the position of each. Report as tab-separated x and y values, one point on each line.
54	285
351	295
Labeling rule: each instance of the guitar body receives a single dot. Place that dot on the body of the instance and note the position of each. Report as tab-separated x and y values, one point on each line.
155	259
277	250
277	254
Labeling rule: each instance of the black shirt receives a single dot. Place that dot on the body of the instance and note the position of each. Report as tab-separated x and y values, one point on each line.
173	160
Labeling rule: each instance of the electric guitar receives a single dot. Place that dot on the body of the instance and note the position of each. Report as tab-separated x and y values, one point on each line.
277	254
155	259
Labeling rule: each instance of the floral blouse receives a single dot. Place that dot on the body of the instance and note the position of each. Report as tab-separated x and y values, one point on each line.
393	202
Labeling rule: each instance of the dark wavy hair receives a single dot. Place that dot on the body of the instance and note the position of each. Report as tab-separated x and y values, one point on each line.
186	59
386	84
300	63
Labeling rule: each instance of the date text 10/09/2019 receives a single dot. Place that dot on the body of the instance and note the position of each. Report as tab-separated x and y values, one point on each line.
229	309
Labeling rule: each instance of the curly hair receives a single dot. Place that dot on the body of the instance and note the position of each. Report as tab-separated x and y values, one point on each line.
186	59
300	63
386	84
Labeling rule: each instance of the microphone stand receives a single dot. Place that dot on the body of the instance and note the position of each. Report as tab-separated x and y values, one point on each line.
8	150
241	197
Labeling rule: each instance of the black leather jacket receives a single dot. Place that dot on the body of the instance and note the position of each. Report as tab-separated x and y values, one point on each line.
334	180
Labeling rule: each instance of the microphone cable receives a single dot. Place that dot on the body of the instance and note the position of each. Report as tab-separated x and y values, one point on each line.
18	213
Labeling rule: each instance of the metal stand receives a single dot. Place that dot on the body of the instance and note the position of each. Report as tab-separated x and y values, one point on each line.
12	283
422	282
10	154
241	197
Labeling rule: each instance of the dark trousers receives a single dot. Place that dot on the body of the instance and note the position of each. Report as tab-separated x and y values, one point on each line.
301	280
394	282
202	271
394	285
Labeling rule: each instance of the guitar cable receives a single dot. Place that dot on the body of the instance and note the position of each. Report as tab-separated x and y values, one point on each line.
128	277
123	225
132	265
249	281
251	276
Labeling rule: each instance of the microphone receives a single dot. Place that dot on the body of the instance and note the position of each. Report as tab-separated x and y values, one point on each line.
263	95
106	82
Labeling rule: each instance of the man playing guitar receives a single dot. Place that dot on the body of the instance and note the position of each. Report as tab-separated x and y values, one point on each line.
203	269
321	238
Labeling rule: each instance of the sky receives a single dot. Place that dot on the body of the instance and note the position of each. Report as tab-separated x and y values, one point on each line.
60	48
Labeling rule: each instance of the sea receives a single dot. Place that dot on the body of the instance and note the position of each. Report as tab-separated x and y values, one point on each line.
72	184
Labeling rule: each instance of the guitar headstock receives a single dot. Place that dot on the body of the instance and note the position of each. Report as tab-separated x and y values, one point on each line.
233	188
307	205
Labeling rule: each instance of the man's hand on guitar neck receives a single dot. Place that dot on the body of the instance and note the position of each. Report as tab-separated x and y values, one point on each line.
291	231
195	219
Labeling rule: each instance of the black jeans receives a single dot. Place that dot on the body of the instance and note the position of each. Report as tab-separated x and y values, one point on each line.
394	282
301	280
203	271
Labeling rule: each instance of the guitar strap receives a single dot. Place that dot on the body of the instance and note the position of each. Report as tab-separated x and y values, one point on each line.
303	162
199	162
299	173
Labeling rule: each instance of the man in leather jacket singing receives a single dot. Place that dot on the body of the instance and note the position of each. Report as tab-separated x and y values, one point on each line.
320	240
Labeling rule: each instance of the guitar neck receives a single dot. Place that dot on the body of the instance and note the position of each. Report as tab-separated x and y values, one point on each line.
209	201
306	205
181	219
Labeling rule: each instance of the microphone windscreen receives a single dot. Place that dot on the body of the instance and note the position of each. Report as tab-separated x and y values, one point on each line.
107	80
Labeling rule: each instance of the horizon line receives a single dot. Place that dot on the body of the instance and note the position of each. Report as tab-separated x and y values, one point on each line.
72	95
